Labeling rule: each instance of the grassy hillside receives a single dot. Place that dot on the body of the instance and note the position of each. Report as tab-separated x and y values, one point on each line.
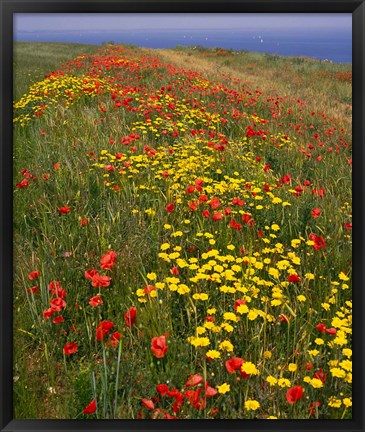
182	223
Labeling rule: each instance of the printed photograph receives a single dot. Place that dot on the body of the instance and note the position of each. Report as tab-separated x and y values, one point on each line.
182	216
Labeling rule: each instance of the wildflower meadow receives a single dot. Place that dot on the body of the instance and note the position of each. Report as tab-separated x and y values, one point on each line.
182	234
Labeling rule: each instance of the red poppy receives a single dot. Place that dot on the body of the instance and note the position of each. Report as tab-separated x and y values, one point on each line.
286	179
284	318
313	406
170	207
148	404
33	290
206	213
174	271
103	328
64	210
23	184
348	226
320	375
162	389
294	394
293	278
234	364
149	288
217	216
100	281
108	260
91	408
193	380
315	212
193	206
130	316
57	304
70	348
95	301
56	289
238	302
159	347
34	275
319	242
214	203
84	222
89	274
114	339
190	189
321	327
210	391
48	313
58	319
331	331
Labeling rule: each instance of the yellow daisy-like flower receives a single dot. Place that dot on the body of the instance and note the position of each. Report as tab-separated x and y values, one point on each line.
338	373
334	402
213	354
292	367
271	380
224	388
151	276
249	368
268	354
284	382
251	405
347	402
226	346
316	383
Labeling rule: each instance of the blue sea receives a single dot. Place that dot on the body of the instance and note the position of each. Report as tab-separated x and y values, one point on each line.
334	44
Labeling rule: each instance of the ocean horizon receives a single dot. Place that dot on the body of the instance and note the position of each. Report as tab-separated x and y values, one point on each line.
330	44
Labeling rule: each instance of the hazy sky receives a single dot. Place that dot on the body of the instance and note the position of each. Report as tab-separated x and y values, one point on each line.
136	21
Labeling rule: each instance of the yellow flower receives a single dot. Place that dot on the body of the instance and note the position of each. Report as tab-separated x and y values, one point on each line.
249	368
319	341
164	246
224	388
292	367
316	383
313	352
267	354
271	380
242	309
295	243
347	402
284	382
309	276
213	354
301	298
252	315
275	227
252	405
347	352
343	277
226	346
151	276
334	402
338	373
199	341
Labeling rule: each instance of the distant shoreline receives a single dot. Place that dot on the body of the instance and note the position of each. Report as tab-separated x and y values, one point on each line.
332	45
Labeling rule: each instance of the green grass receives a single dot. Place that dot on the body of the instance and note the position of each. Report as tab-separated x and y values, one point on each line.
119	166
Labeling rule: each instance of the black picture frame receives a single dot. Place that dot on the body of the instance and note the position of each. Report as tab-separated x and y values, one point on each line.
10	7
